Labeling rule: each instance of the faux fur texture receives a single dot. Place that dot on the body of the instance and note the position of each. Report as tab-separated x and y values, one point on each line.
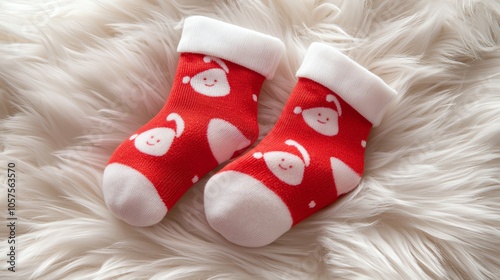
77	77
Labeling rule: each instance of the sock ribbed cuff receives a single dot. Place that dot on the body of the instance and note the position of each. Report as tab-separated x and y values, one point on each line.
360	88
254	50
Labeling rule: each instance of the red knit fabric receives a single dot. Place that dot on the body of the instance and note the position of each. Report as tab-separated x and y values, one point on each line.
209	117
334	141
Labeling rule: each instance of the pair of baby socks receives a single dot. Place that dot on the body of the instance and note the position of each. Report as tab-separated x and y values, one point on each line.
313	155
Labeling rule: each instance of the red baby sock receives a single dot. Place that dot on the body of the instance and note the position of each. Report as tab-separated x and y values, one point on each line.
209	117
313	155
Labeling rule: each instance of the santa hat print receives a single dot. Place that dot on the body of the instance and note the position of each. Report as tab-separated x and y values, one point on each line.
332	98
179	123
208	59
305	155
222	64
329	98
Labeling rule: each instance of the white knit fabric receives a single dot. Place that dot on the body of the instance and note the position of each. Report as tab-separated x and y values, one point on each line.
253	50
120	185
360	88
245	211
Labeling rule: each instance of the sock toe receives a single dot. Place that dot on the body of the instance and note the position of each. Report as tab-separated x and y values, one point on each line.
131	197
244	210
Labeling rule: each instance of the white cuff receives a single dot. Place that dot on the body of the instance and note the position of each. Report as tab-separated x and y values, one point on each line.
251	49
357	86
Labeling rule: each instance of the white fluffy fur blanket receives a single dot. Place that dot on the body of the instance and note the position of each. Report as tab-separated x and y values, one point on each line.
78	76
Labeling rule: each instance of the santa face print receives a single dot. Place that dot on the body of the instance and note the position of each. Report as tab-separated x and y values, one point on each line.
323	120
157	141
212	82
287	167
